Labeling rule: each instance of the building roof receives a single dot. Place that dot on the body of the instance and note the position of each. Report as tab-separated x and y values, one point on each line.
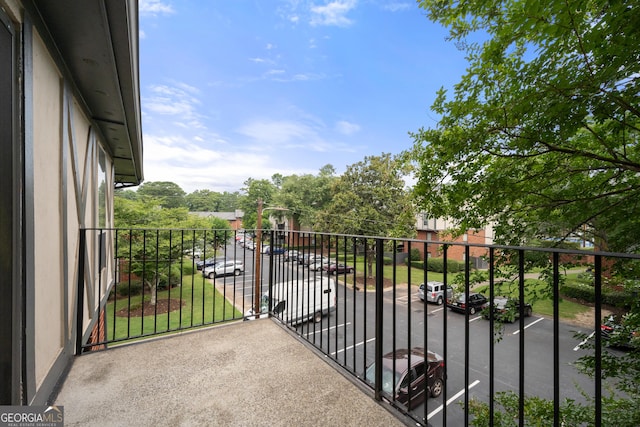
97	42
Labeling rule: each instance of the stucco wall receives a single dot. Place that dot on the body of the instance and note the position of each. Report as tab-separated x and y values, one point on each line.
47	251
65	184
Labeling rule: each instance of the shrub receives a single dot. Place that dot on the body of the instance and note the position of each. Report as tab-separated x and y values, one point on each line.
415	254
126	288
188	269
586	292
415	264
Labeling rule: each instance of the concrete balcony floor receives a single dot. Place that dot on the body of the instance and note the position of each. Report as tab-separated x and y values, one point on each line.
240	374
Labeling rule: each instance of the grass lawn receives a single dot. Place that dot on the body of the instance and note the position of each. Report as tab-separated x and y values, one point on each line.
202	305
533	287
540	302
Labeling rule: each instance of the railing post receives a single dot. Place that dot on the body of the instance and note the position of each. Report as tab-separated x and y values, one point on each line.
379	307
80	290
272	273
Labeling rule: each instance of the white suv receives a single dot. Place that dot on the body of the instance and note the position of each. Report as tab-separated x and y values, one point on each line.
223	268
434	292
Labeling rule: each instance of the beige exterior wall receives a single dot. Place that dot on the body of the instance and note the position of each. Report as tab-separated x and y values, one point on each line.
65	152
47	249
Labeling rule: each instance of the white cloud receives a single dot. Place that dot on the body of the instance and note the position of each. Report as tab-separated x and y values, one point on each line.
347	128
307	134
195	167
395	7
278	132
179	100
333	13
154	8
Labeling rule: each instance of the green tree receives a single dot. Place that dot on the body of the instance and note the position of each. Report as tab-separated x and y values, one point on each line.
203	201
229	202
170	193
370	199
305	195
256	189
158	240
541	137
541	133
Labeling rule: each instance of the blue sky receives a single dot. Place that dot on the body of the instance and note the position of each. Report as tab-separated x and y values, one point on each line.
238	89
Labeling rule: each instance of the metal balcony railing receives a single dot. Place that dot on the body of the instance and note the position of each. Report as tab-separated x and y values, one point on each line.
357	300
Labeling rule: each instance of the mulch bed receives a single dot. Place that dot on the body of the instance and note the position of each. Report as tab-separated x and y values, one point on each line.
162	306
360	281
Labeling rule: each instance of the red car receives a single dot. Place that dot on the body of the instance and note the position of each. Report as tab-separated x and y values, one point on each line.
338	268
412	373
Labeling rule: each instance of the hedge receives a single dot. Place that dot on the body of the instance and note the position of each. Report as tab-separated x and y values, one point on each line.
586	292
437	265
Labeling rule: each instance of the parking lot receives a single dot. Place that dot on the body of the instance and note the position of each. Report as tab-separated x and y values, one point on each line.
347	335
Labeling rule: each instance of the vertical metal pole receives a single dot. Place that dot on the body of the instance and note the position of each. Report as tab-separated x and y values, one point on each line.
80	296
521	255
378	335
271	274
258	252
556	339
467	277
598	349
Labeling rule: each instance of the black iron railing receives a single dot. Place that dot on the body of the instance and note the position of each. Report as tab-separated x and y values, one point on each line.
356	299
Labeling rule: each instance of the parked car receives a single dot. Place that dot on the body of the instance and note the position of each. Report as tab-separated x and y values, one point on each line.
308	259
434	292
407	384
319	263
506	309
194	253
274	250
291	255
476	303
223	268
205	263
616	334
334	268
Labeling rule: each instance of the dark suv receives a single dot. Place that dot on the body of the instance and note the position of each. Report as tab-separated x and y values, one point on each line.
414	374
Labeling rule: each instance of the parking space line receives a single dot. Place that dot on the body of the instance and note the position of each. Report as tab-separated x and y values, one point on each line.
452	399
352	346
579	346
530	324
332	327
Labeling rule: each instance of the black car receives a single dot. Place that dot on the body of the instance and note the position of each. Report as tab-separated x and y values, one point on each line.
616	334
476	303
506	309
206	263
414	374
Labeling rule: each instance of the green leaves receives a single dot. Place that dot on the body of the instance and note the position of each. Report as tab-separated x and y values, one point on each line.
370	199
541	133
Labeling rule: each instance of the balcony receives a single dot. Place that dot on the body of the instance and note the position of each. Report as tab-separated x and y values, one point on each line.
242	373
320	352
